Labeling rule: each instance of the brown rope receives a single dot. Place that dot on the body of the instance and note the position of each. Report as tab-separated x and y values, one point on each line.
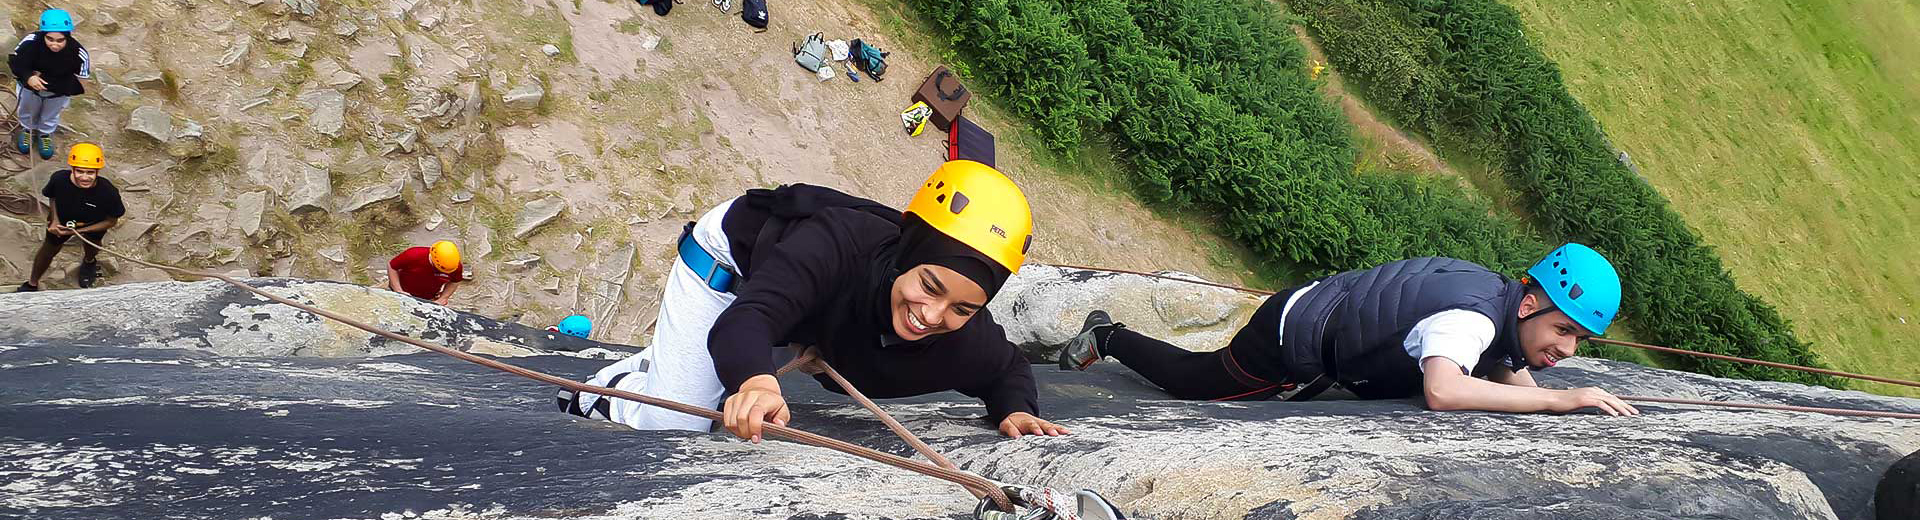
809	361
1656	348
980	486
1722	357
1790	408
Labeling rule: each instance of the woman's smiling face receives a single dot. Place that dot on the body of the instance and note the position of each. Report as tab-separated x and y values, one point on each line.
931	299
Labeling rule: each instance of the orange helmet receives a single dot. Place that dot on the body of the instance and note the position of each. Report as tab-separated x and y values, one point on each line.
445	256
86	155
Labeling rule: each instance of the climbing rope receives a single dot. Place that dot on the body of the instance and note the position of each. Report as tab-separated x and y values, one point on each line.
978	485
1833	411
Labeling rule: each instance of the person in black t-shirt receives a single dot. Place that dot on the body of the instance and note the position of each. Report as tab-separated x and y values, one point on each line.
84	203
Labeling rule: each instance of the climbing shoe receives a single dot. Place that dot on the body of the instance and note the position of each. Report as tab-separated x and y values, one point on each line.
26	287
1084	349
89	273
23	142
45	143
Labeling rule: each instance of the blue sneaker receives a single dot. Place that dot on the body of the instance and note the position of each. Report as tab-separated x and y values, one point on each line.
45	143
22	141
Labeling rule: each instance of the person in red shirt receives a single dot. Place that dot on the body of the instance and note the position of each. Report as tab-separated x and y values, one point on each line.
427	273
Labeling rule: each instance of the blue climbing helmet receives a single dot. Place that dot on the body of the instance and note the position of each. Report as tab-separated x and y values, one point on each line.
1581	283
576	326
56	20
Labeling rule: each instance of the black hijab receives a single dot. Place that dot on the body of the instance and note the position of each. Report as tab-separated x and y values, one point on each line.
921	244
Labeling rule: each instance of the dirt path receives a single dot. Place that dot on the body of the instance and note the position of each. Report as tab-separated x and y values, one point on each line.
1382	144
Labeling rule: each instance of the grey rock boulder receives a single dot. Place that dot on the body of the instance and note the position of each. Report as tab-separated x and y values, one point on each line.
312	190
212	317
537	213
1045	306
248	210
120	95
430	170
188	142
328	111
371	195
303	8
152	122
236	53
524	97
147	79
103	22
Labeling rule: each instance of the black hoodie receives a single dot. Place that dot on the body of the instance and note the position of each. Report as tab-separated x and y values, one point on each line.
826	283
61	70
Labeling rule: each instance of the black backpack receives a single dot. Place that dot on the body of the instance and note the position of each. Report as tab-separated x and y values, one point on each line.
754	12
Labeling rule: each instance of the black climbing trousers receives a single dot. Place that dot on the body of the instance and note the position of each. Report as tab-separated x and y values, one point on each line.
1219	375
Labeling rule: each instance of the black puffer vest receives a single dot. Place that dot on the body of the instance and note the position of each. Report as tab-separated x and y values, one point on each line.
1354	324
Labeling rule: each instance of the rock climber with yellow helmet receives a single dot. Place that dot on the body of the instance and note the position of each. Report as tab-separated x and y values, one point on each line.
895	301
427	273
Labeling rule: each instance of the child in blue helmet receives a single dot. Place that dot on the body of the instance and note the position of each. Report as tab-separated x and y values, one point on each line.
49	65
1450	330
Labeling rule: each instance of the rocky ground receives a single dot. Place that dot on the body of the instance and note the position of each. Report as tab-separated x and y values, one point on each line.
561	143
203	401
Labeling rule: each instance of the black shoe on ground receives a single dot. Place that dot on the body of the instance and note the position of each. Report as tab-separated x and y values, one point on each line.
89	273
26	287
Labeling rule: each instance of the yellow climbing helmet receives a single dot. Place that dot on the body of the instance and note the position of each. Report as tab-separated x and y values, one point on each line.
980	207
445	256
86	155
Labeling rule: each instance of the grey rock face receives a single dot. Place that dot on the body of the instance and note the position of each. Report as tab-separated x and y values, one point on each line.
151	122
537	213
248	406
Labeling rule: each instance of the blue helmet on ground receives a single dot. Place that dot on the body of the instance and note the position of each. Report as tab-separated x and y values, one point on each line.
1582	284
56	20
576	326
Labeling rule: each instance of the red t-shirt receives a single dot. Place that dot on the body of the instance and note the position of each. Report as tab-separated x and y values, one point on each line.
417	275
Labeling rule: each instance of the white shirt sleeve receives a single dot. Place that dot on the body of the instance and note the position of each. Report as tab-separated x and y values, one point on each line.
1459	335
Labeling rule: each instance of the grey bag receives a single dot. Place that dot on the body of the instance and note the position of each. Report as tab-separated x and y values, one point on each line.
811	54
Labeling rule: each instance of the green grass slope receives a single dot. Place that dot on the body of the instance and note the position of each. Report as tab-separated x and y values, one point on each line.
1787	134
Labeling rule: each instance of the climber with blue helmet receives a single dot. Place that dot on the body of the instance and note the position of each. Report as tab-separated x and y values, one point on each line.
1457	333
576	325
49	66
